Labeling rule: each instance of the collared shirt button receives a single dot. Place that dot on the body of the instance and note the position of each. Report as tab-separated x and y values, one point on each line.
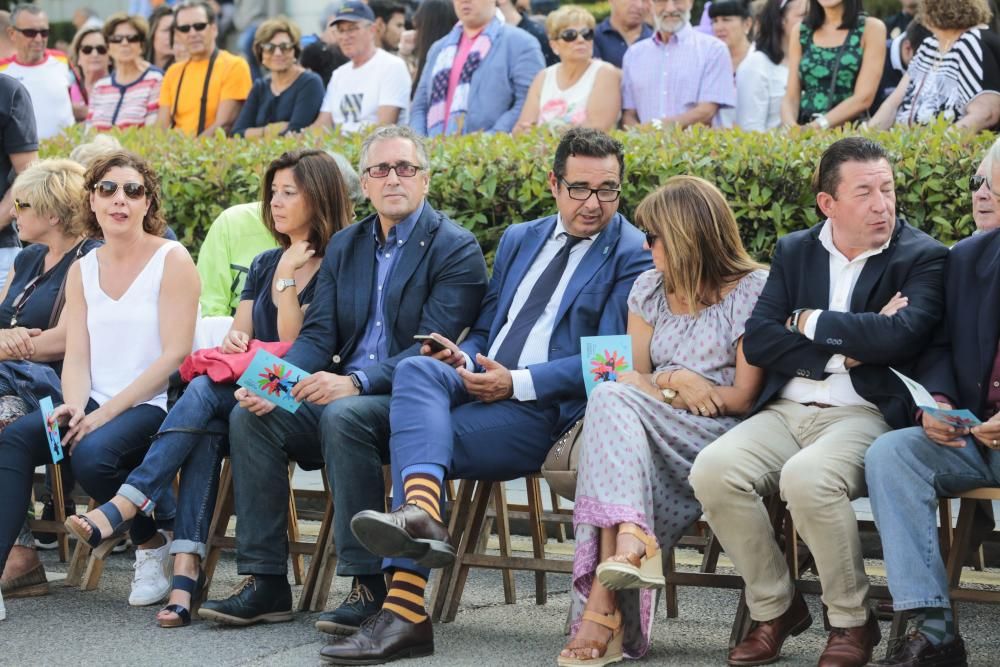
388	255
996	383
378	324
371	356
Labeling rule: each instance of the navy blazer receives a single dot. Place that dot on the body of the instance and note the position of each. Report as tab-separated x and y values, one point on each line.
595	304
436	285
959	362
800	278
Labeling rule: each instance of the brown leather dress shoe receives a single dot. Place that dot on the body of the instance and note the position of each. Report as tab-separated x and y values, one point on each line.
763	645
851	647
382	638
917	651
408	532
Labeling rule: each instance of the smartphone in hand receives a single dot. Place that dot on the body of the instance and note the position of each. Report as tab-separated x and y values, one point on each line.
435	344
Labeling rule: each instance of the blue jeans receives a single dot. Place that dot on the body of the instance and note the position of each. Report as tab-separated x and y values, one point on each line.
906	473
204	406
351	435
100	462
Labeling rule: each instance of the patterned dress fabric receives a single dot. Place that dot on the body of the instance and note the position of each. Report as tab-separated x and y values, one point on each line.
637	450
816	71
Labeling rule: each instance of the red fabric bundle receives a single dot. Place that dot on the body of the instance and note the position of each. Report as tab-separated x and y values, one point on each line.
222	367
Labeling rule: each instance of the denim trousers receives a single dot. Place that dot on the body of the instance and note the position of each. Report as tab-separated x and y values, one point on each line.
906	473
204	406
100	462
351	435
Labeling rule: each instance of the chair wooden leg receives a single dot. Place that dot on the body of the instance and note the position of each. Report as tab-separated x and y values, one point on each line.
710	561
537	535
670	590
741	623
945	529
298	560
960	542
456	523
896	631
59	506
503	536
224	507
480	501
322	565
560	526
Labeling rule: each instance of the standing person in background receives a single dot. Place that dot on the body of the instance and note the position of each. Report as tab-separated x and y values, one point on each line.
390	21
432	21
373	88
834	65
732	24
206	92
477	76
130	96
159	48
624	27
515	16
763	76
44	73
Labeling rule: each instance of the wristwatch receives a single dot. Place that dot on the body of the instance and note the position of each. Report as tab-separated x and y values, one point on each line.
282	283
668	395
357	382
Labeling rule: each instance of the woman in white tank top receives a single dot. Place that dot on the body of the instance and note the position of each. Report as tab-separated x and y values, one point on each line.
130	315
579	91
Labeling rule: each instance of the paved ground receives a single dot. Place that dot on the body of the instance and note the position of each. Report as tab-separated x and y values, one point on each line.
99	628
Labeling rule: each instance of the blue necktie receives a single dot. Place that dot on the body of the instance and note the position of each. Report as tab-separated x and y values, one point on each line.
512	345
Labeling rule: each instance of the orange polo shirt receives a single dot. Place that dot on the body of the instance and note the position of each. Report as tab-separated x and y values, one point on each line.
230	81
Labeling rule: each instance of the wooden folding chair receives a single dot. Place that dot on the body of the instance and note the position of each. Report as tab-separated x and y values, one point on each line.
57	526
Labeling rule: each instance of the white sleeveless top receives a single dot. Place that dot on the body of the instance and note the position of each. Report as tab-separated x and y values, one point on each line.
124	334
561	107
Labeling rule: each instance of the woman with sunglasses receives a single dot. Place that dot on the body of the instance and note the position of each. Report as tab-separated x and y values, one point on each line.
129	319
690	384
307	204
289	99
32	335
90	63
130	96
578	91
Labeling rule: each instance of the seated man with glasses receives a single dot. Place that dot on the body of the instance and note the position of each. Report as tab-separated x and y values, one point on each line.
492	407
207	91
985	188
404	271
44	73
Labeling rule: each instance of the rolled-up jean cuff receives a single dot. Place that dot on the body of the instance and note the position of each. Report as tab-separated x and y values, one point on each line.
142	502
25	538
189	547
921	604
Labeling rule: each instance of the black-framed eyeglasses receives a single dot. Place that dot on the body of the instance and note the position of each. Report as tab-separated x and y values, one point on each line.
650	237
20	206
187	27
100	48
976	181
403	170
108	189
131	39
31	33
581	193
284	47
571	34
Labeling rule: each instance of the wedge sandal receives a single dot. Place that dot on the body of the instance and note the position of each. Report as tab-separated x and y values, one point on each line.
610	651
627	571
101	544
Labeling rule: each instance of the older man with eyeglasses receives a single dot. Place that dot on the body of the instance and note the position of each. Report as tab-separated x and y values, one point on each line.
205	92
43	72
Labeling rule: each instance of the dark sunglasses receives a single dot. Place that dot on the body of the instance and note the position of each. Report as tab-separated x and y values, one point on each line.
198	27
650	237
31	33
108	189
570	34
976	181
131	39
20	206
271	48
100	48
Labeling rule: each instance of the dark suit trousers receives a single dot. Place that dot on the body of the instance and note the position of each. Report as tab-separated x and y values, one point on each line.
434	420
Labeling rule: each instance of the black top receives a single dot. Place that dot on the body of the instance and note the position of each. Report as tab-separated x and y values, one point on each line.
258	289
298	104
537	31
17	135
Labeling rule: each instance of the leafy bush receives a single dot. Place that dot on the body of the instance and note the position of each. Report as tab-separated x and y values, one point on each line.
487	182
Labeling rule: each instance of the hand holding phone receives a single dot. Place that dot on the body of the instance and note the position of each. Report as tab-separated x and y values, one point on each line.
442	349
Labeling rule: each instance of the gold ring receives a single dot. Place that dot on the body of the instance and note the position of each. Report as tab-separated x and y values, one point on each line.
994	443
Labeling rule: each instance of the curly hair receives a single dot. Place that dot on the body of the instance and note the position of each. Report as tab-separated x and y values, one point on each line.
86	221
953	14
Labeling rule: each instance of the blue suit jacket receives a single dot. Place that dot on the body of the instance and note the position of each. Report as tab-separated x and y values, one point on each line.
436	285
959	362
499	85
595	304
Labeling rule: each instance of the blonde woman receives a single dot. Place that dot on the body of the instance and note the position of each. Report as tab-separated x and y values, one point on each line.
691	383
579	91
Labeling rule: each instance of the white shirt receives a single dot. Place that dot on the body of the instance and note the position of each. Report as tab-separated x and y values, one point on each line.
354	94
48	84
837	388
536	349
760	87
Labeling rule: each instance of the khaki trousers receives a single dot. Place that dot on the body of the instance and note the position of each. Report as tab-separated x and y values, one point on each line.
815	458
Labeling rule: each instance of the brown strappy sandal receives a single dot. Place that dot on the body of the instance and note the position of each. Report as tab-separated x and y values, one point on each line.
610	651
626	571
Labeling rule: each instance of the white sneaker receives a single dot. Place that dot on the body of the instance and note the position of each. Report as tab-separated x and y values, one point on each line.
150	584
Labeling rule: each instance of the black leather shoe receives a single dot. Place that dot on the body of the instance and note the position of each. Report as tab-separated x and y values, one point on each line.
361	603
916	650
256	600
382	638
408	532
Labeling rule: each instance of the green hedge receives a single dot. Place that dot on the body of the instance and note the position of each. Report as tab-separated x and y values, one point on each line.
487	182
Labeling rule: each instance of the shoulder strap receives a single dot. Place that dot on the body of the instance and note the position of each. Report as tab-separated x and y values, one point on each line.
60	301
204	93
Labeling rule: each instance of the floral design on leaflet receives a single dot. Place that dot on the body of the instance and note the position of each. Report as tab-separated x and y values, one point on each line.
275	380
606	367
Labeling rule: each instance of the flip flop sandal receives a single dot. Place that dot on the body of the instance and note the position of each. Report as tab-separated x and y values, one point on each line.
609	652
628	571
197	591
101	544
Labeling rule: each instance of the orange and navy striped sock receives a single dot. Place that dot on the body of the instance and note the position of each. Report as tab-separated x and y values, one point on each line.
424	491
406	596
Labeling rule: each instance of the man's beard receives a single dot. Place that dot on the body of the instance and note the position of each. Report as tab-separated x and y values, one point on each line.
661	26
